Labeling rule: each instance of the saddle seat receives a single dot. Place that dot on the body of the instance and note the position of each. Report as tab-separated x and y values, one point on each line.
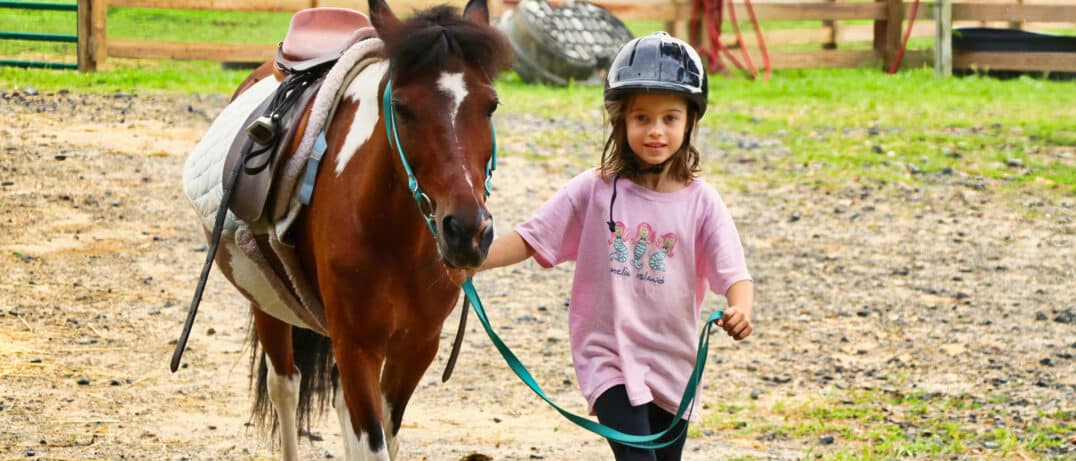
319	35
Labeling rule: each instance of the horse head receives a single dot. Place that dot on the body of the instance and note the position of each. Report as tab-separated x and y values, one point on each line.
438	109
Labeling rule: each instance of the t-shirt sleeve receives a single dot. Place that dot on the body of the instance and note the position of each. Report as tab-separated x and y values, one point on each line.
722	253
554	231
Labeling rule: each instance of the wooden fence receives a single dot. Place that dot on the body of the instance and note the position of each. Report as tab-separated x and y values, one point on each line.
885	34
101	47
884	31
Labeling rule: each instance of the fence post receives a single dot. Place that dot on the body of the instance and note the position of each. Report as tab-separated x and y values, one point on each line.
943	38
879	35
1017	24
92	39
679	26
834	32
894	21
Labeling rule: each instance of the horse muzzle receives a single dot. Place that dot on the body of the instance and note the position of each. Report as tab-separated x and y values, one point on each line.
465	241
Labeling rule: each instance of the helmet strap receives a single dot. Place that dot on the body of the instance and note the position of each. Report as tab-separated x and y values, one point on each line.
656	169
635	169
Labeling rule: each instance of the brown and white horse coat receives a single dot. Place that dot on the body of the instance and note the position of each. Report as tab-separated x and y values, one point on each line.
386	283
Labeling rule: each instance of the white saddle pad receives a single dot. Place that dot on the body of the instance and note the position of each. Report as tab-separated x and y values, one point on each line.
203	171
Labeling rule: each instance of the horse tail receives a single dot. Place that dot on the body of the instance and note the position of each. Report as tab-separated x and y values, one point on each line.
313	356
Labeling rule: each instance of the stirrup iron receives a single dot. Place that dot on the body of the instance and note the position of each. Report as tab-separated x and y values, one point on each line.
262	130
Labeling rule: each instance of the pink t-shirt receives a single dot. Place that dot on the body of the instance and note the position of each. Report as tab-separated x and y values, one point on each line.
634	312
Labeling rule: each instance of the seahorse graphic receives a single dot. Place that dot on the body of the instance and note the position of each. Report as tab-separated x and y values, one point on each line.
620	249
641	240
665	250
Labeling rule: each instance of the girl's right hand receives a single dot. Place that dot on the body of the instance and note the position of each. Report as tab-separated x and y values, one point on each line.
736	322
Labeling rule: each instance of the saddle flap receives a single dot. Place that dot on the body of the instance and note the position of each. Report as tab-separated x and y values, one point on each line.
252	191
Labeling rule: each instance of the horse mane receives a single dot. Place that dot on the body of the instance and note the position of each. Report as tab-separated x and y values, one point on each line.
429	38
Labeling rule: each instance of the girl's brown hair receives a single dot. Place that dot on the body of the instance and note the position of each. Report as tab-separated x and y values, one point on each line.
619	160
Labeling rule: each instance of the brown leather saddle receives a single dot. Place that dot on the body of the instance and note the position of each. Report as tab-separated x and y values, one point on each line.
316	39
319	35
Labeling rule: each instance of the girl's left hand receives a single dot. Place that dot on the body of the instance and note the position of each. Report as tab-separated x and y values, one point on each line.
736	322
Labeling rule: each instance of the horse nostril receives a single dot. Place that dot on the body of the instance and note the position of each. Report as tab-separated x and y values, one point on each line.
453	228
487	239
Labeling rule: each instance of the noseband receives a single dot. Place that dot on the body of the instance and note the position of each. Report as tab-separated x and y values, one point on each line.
425	205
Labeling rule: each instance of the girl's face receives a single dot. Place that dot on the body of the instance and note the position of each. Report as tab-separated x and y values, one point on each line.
656	123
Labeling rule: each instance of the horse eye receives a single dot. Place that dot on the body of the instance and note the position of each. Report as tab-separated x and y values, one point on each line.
492	107
402	112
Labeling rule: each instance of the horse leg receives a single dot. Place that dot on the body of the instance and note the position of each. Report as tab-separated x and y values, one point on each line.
407	360
360	406
345	419
283	380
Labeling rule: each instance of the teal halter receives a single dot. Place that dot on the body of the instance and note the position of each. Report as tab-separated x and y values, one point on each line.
425	205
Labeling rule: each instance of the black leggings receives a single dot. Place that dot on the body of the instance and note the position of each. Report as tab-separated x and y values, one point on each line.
614	410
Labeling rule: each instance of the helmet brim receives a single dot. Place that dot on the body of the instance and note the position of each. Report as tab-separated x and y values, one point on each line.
695	97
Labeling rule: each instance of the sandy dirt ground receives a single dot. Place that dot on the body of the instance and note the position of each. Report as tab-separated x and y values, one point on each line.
953	289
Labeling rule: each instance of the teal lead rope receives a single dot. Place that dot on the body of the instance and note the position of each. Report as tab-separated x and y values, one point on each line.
637	441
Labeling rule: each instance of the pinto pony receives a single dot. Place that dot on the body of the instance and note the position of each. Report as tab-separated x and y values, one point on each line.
385	280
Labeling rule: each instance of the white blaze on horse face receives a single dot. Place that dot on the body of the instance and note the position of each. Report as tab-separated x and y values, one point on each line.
453	85
364	90
456	89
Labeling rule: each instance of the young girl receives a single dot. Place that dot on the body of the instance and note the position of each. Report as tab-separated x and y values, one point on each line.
648	238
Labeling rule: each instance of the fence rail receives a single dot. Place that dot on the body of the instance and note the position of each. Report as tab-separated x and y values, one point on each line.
39	36
40	6
885	32
150	49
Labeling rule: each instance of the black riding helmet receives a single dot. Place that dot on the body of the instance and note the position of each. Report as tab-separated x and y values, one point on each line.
658	62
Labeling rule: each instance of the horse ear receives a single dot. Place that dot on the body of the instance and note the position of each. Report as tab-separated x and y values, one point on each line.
477	11
382	17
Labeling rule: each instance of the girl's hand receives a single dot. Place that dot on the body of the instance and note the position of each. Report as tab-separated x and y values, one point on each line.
736	322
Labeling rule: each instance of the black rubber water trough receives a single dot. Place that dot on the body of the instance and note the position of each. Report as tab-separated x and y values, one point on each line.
1011	41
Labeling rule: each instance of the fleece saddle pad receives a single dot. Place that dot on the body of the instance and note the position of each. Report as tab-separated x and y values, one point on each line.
204	170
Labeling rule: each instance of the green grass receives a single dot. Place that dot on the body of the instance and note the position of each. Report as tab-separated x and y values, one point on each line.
850	124
136	24
838	120
841	125
867	424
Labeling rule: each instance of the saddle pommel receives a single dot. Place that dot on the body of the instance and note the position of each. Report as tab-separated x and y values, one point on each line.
319	35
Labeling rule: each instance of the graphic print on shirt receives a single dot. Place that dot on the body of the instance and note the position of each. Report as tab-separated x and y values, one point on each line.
642	241
665	250
620	249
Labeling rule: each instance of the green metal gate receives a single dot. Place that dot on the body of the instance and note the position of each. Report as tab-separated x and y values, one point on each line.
41	37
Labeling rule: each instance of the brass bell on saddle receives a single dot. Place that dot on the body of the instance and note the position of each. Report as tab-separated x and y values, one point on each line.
262	130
